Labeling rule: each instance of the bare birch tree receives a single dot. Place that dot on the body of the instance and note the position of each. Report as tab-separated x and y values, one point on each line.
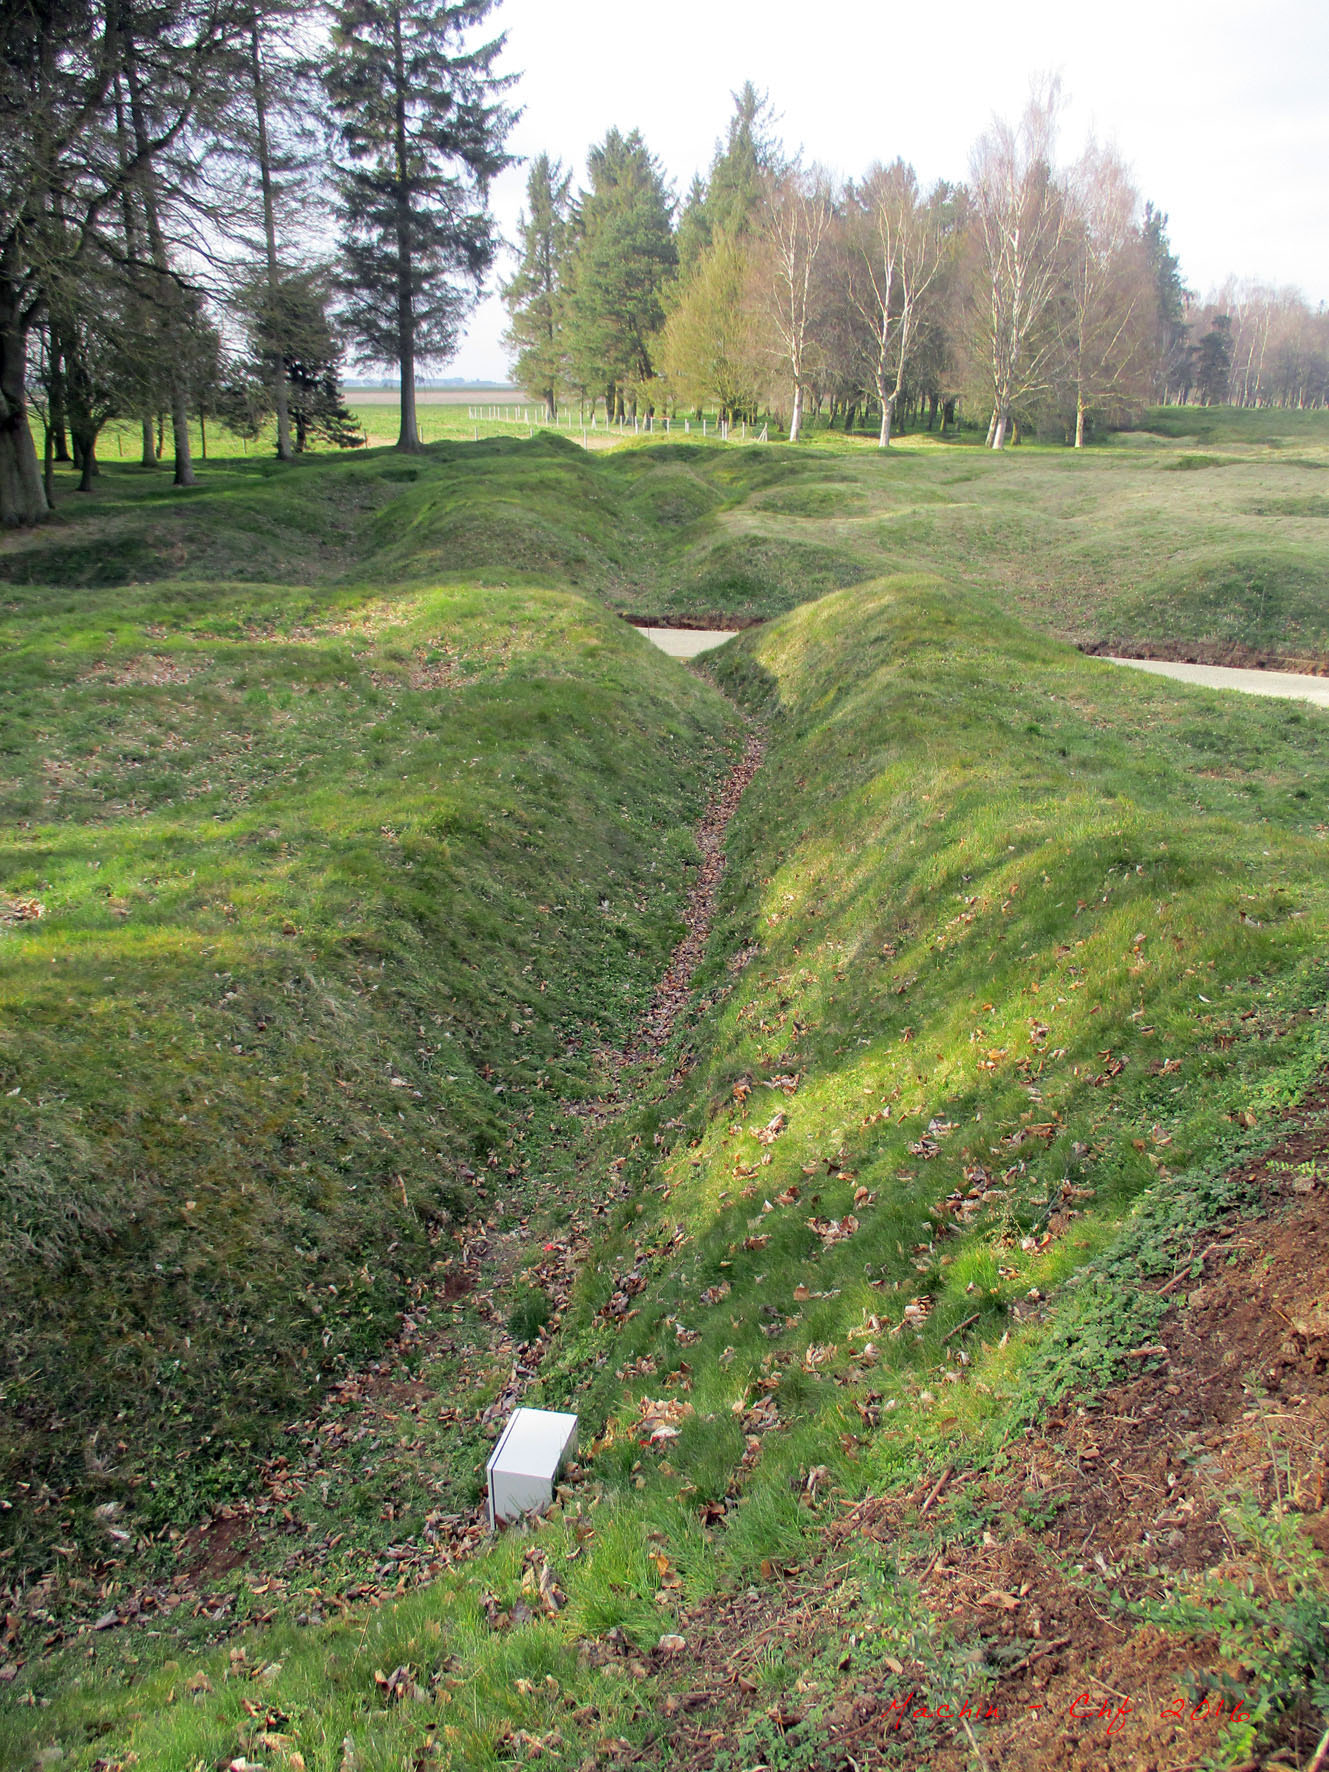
1112	321
899	252
797	213
1020	215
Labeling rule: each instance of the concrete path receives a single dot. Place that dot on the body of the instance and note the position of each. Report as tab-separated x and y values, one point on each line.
686	642
1285	683
690	642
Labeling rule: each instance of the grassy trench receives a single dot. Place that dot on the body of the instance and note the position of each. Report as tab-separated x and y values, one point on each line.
1018	954
313	904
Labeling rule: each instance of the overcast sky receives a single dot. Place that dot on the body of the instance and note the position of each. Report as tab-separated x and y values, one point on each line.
1221	108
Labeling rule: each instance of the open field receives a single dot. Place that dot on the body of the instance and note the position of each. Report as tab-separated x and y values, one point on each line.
491	393
891	1293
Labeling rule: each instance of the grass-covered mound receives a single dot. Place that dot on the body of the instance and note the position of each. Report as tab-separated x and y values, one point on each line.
310	901
1018	934
1018	953
1126	547
1231	601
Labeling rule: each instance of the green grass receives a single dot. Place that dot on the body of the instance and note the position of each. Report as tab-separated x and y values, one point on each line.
1111	547
1057	930
1035	945
340	886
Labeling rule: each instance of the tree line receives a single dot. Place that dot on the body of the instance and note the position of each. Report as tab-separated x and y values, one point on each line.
173	174
1040	294
169	173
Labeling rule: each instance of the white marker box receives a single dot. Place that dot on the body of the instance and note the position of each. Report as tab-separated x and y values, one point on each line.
524	1466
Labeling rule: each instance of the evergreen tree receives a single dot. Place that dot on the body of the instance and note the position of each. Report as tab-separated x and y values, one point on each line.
727	202
1213	361
294	343
1170	295
533	296
623	259
693	235
422	132
743	167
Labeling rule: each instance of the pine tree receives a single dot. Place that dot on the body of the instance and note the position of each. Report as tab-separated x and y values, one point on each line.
1170	293
619	269
725	205
744	166
422	130
692	237
1213	361
291	338
532	297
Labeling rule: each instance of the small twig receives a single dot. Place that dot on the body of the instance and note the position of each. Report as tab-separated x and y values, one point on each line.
1320	1759
978	1752
958	1327
937	1487
1185	1272
1038	1654
1094	1679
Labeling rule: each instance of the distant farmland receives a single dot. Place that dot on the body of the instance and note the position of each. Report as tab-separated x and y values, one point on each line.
497	393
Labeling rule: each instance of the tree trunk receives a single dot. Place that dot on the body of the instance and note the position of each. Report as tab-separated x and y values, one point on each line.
168	290
551	410
1079	424
22	494
184	466
991	442
48	467
86	444
57	425
280	386
409	436
796	422
1000	421
148	454
884	435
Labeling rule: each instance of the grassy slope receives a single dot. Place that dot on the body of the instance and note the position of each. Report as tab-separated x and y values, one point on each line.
1056	929
1209	544
341	882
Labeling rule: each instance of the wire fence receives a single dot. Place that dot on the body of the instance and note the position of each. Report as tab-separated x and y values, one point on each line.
593	425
